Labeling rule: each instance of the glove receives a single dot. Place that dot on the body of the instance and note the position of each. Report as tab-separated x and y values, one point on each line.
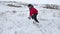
29	17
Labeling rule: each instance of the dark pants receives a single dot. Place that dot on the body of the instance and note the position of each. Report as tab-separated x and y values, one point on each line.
35	17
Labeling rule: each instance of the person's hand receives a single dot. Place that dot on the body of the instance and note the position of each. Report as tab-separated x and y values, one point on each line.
29	17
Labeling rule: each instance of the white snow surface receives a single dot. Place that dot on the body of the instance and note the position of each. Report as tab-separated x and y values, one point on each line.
15	21
38	1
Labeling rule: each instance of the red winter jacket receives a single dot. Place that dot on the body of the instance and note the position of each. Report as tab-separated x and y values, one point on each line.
33	11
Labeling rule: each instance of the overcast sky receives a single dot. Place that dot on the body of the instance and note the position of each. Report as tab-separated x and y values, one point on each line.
38	1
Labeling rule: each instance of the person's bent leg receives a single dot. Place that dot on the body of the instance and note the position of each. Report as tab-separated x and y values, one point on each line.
35	18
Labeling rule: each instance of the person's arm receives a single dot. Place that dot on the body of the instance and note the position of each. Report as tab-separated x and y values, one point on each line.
32	12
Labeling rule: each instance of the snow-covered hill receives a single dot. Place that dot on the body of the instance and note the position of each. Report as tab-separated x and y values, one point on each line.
15	21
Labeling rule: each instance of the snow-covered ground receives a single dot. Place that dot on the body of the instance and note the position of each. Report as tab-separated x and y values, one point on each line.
15	21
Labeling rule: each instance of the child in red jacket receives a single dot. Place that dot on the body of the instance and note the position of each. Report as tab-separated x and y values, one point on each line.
33	12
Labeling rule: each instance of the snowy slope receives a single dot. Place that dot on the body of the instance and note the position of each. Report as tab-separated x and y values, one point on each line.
38	1
15	21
